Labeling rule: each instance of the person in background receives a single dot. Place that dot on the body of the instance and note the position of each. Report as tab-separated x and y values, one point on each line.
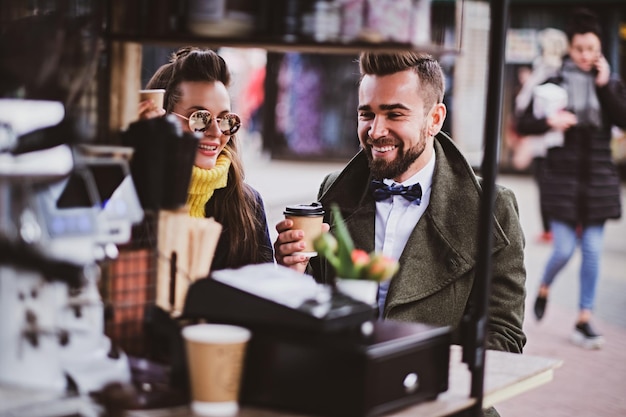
553	44
580	184
400	114
196	85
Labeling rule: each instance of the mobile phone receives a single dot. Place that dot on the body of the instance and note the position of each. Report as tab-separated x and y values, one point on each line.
594	69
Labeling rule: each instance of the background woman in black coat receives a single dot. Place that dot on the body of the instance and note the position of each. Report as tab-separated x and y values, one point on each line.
580	188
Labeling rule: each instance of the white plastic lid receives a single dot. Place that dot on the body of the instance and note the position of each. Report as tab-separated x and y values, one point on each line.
216	333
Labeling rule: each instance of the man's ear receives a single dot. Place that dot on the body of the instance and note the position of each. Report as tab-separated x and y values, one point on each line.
437	117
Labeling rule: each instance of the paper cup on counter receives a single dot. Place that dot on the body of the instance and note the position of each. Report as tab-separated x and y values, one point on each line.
309	218
215	357
156	95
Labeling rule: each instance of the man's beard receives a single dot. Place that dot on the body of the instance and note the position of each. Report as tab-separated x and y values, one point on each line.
381	168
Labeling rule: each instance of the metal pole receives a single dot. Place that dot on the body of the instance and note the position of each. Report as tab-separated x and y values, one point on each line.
476	321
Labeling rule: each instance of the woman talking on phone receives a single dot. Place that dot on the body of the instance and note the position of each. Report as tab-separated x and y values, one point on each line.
581	186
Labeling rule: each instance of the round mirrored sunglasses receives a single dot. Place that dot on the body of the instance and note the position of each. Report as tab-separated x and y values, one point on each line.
200	120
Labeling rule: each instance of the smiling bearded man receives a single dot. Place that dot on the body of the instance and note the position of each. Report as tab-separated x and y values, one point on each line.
401	194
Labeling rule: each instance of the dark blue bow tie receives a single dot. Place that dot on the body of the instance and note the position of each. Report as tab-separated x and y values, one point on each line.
382	191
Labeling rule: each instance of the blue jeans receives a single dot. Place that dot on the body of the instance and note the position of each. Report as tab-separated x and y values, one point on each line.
564	243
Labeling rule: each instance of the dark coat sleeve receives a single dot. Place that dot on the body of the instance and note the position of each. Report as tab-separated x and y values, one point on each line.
508	281
613	99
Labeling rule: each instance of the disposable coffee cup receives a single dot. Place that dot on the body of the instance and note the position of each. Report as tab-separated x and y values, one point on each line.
309	218
156	95
215	356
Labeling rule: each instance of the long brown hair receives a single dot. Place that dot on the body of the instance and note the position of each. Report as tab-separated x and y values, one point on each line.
235	208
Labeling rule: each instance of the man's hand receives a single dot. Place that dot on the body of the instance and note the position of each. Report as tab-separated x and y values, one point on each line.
289	241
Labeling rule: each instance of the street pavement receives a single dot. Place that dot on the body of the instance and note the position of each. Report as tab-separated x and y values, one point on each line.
590	383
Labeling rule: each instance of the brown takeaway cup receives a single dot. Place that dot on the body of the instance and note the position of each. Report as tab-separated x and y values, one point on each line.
215	355
309	218
155	94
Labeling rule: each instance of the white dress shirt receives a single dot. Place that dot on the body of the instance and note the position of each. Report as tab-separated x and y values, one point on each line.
396	217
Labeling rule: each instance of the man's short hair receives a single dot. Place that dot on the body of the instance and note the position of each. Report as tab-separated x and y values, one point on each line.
581	21
425	66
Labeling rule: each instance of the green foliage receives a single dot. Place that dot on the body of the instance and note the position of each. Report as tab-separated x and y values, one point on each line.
348	261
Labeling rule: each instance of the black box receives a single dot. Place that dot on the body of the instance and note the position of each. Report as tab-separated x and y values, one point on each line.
347	374
327	356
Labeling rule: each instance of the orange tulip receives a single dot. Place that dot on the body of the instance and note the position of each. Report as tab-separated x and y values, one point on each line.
381	267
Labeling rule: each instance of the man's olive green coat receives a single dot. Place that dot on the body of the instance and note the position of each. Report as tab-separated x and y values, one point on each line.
438	265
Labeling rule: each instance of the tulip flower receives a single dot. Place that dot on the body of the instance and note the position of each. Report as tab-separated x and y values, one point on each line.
381	267
348	261
360	260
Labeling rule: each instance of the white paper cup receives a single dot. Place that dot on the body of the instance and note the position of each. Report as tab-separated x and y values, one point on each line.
215	356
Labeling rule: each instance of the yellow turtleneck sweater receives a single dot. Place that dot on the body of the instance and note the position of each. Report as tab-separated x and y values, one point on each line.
203	184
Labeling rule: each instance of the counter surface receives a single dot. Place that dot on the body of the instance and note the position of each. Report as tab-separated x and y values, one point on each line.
506	375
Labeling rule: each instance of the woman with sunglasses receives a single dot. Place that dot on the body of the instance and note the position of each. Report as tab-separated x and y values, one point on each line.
196	91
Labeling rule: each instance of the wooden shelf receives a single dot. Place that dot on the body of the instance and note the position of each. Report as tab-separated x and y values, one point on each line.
279	45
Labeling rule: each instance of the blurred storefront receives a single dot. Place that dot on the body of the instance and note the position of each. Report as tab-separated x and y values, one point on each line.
306	109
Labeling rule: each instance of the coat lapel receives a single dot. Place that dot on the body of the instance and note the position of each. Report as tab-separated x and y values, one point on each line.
439	250
444	245
349	189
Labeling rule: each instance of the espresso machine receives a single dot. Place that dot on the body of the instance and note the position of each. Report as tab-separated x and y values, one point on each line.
64	206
